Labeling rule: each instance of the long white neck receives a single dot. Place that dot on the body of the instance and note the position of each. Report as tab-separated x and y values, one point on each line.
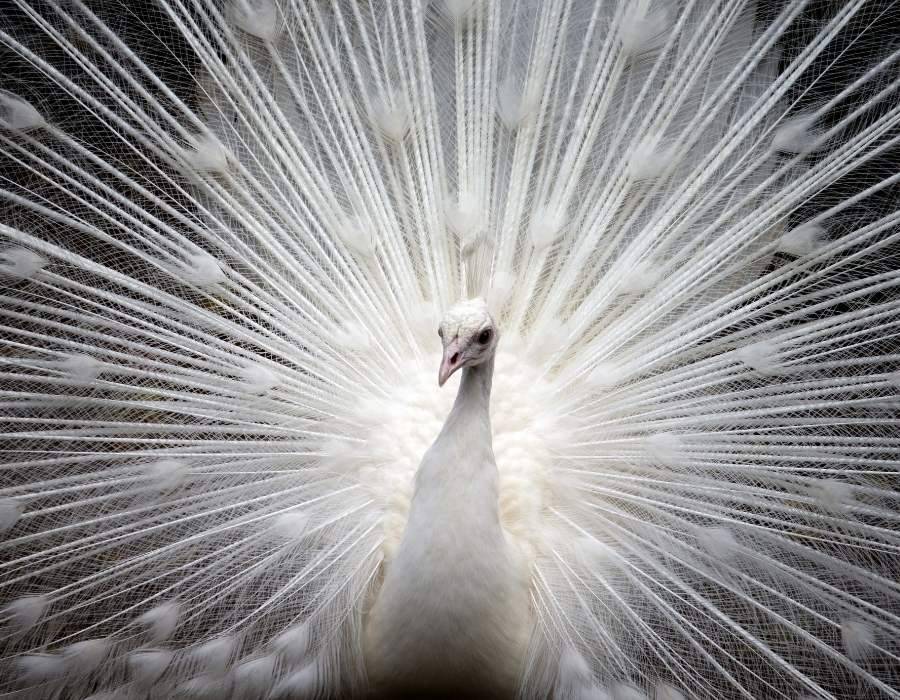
453	585
473	400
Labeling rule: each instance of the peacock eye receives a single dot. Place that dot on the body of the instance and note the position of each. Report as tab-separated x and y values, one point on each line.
485	336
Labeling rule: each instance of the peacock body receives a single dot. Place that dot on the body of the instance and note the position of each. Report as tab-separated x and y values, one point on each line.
456	584
231	231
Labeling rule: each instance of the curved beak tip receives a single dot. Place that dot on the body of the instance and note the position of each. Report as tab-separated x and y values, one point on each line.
450	362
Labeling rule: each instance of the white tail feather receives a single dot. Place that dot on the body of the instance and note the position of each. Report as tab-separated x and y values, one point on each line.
161	621
26	612
231	230
20	263
10	512
148	665
17	114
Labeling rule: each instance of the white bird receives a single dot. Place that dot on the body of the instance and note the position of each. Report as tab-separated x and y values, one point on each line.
452	615
661	241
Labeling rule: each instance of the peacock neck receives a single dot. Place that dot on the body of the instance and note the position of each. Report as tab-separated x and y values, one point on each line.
474	395
453	585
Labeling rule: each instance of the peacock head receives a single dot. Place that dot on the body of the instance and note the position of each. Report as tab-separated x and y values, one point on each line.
469	335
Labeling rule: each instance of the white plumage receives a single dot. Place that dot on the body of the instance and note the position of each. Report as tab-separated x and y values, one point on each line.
230	231
452	615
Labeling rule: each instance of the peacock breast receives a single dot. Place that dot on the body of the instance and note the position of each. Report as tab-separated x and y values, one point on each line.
452	614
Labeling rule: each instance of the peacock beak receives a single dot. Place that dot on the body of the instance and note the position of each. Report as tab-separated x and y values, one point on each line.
451	362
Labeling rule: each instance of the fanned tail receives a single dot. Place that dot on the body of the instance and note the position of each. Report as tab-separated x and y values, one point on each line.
229	231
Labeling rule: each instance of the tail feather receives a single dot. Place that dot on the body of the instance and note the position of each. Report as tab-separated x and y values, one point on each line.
230	229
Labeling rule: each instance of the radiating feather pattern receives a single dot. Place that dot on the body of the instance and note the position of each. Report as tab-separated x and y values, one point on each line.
223	266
